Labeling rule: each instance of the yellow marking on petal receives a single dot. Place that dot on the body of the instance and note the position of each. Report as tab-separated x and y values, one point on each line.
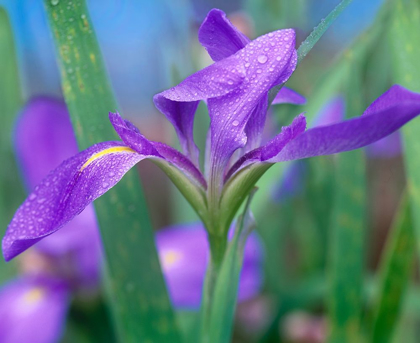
34	295
170	258
106	152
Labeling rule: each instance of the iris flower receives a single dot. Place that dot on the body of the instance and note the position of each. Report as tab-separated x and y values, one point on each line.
69	260
235	89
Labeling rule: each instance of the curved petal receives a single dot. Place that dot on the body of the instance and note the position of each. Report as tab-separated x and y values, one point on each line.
136	141
65	192
33	310
179	103
43	138
387	114
184	252
272	148
220	38
288	96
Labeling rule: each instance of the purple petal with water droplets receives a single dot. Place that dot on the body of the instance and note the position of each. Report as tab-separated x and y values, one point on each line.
184	252
387	114
33	309
289	96
220	38
65	192
268	61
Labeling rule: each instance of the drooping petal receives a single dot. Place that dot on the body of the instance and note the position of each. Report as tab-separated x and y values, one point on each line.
66	191
33	310
289	96
273	147
183	252
387	114
43	138
220	38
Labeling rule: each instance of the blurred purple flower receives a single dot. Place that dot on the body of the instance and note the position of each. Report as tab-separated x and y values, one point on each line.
33	309
184	253
235	89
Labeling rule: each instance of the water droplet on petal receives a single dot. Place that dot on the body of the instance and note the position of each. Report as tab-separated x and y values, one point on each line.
235	123
262	59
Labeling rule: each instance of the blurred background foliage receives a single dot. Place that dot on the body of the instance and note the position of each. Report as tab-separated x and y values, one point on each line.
340	238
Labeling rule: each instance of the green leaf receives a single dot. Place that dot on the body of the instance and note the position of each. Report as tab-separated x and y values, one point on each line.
405	35
348	234
11	190
395	271
140	304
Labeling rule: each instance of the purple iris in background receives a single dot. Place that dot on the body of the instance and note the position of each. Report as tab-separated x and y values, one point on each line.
235	89
183	253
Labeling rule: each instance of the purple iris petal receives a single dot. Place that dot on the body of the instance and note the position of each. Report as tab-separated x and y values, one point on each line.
184	252
65	192
33	310
220	38
388	113
44	138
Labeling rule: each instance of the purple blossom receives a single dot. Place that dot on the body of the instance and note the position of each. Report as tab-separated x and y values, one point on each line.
183	253
33	309
235	89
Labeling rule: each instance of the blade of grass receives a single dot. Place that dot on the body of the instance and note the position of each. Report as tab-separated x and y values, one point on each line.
11	189
140	304
395	271
404	35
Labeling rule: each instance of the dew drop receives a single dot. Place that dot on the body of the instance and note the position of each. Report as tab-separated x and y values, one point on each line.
262	59
235	123
278	58
54	2
259	71
32	196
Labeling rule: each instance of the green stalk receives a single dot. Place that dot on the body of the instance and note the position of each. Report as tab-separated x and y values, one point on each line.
140	304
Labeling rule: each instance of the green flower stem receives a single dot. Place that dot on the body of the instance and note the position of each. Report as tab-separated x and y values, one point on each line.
218	246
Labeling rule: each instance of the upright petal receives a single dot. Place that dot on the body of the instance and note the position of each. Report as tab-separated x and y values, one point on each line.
43	138
183	252
65	192
387	114
33	310
220	38
269	60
